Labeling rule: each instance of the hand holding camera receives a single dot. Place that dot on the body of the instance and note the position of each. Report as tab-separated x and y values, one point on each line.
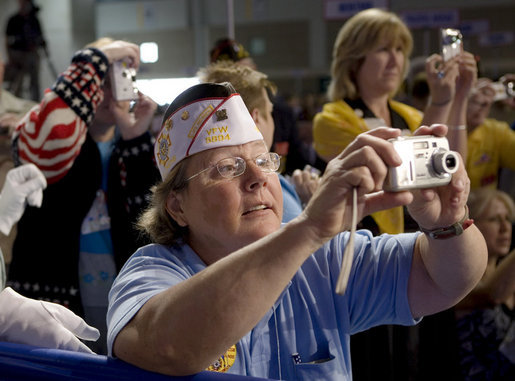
426	162
443	203
122	50
504	88
451	43
123	81
124	62
436	198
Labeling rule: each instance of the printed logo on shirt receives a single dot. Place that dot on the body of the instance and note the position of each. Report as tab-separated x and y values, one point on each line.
225	361
485	158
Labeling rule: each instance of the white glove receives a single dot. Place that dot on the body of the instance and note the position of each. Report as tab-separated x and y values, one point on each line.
43	324
22	184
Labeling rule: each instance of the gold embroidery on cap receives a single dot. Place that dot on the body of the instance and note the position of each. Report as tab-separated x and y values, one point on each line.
200	119
185	115
225	361
217	134
169	124
221	114
164	144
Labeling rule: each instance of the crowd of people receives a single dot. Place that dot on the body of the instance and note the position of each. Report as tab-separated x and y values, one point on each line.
218	242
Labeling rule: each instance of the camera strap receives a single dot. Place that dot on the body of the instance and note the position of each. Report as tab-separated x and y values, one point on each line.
348	254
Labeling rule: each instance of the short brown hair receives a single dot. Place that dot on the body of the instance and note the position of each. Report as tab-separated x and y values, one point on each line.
155	220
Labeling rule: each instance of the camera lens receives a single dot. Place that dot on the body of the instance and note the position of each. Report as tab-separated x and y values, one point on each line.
450	162
510	88
445	162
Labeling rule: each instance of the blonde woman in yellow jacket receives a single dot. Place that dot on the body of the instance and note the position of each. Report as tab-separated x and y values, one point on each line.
370	59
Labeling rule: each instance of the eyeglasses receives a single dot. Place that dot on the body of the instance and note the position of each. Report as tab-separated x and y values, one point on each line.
232	167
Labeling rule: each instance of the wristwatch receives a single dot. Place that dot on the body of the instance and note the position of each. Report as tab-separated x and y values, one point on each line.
454	230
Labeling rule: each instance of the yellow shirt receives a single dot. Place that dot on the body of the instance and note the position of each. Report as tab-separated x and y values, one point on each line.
491	146
337	125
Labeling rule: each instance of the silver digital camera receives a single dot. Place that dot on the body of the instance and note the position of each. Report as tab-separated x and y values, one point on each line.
426	162
451	42
503	90
123	81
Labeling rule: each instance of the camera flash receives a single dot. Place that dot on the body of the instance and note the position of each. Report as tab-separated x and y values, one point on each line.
149	52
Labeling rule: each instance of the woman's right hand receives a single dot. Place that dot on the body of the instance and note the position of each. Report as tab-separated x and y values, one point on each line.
118	50
441	78
364	165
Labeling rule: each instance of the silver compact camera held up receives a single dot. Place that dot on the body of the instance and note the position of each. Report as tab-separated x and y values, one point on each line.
451	42
503	90
427	162
123	81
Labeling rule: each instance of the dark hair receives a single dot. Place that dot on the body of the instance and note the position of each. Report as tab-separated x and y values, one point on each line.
197	92
228	49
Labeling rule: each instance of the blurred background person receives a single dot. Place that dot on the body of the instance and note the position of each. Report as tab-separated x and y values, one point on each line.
295	154
491	142
24	320
227	49
370	59
505	110
12	109
254	88
415	89
24	38
485	318
69	250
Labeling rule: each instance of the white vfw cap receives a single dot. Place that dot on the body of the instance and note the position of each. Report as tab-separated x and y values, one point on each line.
201	125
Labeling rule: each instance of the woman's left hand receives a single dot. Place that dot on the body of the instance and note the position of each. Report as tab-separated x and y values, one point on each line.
441	206
441	78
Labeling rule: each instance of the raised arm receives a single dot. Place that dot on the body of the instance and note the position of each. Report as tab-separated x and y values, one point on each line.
450	83
184	329
51	135
441	79
457	120
444	270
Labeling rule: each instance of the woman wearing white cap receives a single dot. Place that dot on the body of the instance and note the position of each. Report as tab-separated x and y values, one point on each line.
226	288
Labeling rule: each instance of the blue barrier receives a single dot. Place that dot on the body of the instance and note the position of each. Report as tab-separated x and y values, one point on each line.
25	362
